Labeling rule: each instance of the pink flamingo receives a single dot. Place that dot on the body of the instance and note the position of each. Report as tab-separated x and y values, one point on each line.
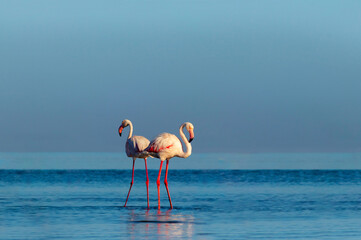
133	147
166	146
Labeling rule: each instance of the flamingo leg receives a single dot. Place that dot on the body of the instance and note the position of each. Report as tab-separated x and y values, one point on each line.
131	184
147	182
158	183
166	184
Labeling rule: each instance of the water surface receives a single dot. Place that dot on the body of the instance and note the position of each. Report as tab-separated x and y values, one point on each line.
208	204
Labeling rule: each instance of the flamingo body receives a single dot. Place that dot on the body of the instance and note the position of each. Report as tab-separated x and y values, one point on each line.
135	145
165	146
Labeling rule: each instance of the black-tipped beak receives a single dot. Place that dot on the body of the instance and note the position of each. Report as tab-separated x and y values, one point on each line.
120	130
191	135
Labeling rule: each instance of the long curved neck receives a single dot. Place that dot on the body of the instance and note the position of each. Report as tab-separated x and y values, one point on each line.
130	130
185	140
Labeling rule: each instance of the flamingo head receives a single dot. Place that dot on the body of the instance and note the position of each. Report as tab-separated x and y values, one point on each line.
125	123
189	127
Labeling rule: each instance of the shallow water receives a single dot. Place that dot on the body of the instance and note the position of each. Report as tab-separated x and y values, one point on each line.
208	204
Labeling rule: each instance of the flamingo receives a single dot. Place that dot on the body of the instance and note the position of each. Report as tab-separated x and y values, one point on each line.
166	146
133	147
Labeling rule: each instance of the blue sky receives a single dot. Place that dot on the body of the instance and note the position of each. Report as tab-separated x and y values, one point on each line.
252	76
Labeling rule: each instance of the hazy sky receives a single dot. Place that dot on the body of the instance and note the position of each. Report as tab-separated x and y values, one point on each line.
252	76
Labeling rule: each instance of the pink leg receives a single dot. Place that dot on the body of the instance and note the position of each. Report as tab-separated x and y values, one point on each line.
166	184
147	182
158	182
131	184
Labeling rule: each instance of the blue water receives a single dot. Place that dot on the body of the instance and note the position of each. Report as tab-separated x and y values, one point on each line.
119	160
208	204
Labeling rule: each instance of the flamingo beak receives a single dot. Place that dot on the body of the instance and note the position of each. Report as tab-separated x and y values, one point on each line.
120	130
191	135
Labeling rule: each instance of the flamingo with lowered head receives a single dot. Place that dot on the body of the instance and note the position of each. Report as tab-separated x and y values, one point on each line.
133	147
166	146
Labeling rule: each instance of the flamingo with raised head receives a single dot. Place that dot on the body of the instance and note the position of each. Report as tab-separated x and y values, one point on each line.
166	146
134	146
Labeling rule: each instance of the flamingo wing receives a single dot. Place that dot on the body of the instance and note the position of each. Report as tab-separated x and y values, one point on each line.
135	145
164	141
